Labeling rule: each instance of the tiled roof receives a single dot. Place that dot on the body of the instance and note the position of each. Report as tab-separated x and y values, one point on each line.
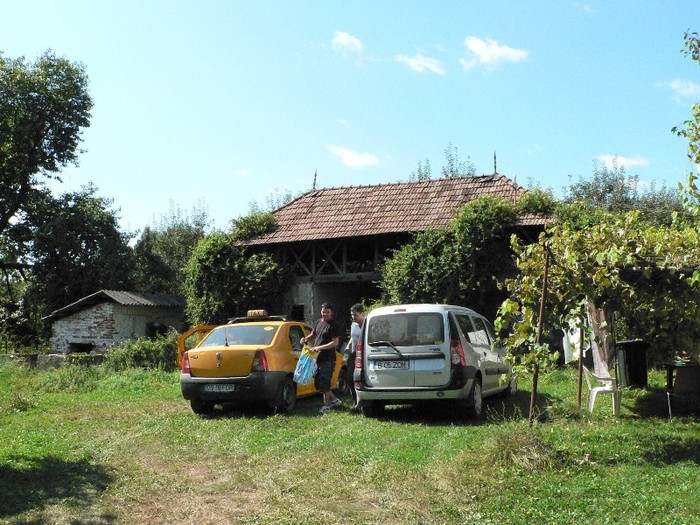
123	298
385	208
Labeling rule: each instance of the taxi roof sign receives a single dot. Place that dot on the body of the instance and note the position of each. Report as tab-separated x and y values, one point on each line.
259	315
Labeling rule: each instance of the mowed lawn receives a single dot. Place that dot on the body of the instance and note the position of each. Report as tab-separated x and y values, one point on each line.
84	445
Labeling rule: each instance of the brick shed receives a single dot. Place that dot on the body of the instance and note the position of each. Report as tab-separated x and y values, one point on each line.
109	317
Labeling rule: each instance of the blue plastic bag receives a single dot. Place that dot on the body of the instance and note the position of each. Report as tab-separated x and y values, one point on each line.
306	366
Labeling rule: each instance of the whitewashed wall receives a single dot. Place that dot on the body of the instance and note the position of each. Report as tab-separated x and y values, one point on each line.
107	324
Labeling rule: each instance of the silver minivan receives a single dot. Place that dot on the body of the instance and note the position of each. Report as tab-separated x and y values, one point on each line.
418	352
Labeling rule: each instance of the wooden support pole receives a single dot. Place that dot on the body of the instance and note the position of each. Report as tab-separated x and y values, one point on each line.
538	340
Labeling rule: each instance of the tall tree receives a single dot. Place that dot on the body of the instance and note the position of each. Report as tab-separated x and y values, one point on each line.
454	167
422	171
163	250
275	199
78	249
611	189
44	106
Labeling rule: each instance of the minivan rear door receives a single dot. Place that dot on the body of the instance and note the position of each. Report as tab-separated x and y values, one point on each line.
482	345
407	349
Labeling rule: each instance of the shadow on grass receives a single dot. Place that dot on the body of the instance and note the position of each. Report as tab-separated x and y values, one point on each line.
497	409
50	481
653	403
675	447
671	450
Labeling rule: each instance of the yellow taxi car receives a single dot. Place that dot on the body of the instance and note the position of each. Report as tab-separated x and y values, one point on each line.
250	358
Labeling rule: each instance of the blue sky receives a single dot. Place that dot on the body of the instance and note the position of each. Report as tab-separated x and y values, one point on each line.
222	102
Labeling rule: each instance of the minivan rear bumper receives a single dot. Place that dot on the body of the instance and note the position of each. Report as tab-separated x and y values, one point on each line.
405	395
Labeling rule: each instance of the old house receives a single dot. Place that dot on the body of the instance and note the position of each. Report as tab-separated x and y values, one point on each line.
335	239
109	317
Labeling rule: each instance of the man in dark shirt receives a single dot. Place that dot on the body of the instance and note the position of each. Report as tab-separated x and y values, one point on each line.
326	338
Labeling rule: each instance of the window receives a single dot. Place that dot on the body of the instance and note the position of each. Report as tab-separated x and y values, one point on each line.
481	336
295	335
465	325
240	335
81	348
155	329
407	329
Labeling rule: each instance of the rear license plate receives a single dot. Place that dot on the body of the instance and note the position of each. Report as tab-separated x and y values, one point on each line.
384	365
219	388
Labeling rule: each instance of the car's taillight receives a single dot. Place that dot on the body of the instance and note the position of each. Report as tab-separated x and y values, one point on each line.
186	363
259	362
457	353
358	361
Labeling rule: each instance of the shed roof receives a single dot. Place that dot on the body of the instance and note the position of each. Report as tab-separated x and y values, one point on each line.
402	207
123	298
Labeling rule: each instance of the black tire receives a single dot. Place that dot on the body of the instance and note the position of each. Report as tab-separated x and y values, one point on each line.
286	396
343	385
512	386
372	409
202	408
476	401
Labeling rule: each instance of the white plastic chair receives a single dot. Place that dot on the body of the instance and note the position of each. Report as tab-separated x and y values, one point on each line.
608	385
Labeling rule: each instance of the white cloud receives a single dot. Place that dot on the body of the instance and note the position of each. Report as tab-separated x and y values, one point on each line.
240	173
586	8
531	150
346	43
622	162
489	53
341	121
353	159
684	88
421	63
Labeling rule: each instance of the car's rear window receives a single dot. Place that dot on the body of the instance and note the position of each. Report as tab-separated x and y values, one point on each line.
407	329
240	335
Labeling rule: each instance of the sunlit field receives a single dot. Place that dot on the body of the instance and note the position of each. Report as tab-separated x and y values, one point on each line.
84	445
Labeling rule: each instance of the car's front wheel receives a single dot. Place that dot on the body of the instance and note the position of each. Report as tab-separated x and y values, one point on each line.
201	408
343	385
287	395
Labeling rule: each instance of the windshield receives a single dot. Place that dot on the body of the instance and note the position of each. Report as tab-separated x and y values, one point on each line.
240	334
406	329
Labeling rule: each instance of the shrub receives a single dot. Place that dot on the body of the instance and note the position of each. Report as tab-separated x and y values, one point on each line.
253	225
159	353
70	378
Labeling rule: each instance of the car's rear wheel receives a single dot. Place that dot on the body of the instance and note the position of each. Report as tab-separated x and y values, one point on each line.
476	408
287	395
202	408
372	408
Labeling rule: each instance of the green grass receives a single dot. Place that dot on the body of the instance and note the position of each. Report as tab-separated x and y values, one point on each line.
85	445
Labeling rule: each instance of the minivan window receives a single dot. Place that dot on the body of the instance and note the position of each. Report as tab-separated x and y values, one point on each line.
465	325
407	329
490	330
480	332
240	335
